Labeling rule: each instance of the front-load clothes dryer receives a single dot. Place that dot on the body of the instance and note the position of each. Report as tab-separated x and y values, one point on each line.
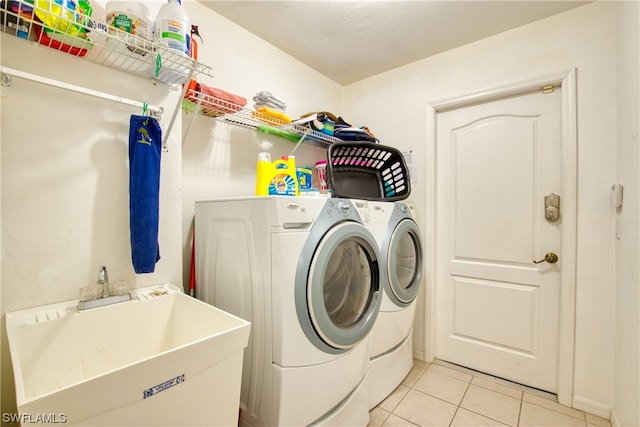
307	274
391	350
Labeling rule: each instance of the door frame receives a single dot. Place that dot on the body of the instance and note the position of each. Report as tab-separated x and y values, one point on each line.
565	81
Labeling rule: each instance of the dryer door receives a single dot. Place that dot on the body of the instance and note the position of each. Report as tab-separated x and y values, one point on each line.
342	284
405	262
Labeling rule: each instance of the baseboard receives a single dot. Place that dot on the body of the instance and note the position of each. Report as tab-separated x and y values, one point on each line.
595	408
418	355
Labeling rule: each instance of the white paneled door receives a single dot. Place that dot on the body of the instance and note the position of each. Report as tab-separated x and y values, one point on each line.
498	310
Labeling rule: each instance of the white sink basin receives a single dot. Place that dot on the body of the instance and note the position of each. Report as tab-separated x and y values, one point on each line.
163	358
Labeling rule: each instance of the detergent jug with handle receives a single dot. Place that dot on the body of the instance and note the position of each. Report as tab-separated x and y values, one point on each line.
276	178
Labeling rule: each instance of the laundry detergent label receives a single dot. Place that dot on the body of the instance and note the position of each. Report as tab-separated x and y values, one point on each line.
282	185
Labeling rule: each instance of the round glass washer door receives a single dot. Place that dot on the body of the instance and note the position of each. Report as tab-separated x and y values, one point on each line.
405	262
343	286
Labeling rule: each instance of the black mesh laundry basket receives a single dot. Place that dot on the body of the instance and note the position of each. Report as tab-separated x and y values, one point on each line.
364	170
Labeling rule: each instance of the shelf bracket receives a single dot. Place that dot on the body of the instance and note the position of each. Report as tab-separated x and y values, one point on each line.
304	135
193	119
176	110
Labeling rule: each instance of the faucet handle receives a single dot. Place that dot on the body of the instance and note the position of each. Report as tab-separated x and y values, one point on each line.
91	292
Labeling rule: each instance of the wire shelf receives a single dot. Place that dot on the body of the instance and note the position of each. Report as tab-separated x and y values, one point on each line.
97	42
235	114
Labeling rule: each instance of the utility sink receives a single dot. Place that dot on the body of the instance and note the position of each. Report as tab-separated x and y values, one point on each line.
163	358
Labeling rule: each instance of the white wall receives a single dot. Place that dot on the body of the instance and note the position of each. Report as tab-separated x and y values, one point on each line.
626	410
584	38
65	194
219	160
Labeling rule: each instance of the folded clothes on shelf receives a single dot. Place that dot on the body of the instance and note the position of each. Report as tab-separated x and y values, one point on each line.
224	95
217	102
354	134
267	104
271	116
346	132
267	99
321	115
319	122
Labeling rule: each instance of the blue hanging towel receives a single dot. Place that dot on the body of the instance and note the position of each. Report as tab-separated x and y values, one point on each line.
145	146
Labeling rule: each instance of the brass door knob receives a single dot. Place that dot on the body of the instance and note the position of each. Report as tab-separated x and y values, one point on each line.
549	257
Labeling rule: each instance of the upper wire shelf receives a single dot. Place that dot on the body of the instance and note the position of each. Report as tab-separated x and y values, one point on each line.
235	114
97	42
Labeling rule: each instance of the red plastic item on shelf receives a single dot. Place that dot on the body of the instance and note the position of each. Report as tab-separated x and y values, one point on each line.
44	39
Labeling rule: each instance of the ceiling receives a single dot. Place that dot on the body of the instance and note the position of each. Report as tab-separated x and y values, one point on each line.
351	40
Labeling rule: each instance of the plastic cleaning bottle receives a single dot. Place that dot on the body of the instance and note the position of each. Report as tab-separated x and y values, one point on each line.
172	27
132	17
60	33
61	16
321	171
276	178
263	171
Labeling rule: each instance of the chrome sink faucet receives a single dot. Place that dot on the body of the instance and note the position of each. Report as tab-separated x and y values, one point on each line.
99	295
103	280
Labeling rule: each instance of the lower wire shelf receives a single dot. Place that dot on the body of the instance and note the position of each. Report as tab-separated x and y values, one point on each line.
234	114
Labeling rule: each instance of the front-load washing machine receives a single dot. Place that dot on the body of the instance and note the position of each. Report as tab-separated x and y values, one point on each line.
307	274
391	349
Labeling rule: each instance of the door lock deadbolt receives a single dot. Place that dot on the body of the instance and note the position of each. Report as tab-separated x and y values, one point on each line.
552	207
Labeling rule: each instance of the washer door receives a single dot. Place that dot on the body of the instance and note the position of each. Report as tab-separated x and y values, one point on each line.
338	286
405	262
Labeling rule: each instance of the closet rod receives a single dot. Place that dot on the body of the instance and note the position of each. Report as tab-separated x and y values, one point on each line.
6	81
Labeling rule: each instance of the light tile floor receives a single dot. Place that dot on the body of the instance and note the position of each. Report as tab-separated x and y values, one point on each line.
439	395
